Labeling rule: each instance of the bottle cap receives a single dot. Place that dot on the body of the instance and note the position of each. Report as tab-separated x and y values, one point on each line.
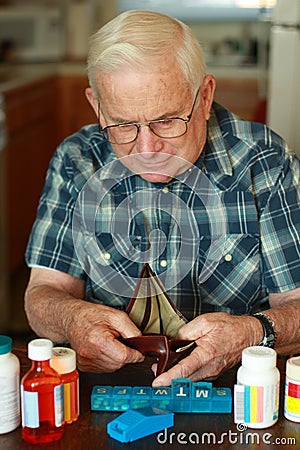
5	344
293	367
259	358
40	349
63	360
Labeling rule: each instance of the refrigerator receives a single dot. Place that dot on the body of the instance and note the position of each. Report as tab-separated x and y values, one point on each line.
283	103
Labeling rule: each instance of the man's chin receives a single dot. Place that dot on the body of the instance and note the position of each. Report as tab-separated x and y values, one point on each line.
155	177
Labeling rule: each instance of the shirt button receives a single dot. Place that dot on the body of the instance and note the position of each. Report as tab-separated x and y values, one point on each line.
106	256
163	263
228	257
165	190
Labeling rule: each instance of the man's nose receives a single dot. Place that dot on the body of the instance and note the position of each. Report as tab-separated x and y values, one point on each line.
147	141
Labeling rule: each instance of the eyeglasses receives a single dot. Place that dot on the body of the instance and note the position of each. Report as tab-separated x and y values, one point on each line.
125	133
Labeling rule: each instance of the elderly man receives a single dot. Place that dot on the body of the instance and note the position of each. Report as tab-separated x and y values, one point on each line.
155	107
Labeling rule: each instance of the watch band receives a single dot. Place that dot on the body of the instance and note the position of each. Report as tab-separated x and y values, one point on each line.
269	338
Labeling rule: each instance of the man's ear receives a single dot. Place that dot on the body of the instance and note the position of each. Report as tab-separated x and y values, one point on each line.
207	94
93	101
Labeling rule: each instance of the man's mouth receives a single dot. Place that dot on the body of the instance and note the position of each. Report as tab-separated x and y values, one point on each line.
155	164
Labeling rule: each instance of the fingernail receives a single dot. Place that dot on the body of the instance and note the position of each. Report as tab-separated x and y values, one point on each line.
159	382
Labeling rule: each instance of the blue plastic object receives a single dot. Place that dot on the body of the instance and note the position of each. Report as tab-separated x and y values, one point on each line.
136	424
182	396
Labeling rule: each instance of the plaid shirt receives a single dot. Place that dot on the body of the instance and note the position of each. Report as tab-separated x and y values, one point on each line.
227	258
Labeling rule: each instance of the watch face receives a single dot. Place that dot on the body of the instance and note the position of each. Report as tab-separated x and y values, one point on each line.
269	338
269	343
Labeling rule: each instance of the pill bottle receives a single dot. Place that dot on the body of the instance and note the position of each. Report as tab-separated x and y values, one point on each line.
256	395
9	387
41	396
64	362
292	389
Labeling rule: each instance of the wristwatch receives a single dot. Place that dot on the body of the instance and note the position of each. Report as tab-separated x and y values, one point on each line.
269	338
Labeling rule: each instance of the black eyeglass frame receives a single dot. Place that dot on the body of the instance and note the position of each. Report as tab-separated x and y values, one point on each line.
137	125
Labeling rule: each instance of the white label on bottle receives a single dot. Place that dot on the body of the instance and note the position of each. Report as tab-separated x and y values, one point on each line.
30	409
59	405
9	403
255	404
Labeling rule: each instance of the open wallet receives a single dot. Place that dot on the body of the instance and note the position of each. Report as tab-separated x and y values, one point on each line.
153	312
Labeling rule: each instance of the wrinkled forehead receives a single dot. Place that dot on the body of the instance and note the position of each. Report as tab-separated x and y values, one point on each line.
144	90
156	73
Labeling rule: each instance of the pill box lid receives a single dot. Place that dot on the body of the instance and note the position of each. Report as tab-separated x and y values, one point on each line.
138	423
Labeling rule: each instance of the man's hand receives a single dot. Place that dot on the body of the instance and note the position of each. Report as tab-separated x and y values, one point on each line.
94	333
220	339
56	309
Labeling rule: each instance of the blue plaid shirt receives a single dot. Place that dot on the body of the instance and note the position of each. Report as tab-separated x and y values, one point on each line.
256	251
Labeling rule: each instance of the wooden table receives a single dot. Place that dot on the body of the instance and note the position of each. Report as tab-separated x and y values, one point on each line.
207	431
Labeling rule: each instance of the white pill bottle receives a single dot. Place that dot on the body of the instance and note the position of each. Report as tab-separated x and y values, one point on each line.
256	394
9	387
292	389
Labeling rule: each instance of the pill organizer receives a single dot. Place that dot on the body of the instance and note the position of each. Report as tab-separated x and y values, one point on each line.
182	396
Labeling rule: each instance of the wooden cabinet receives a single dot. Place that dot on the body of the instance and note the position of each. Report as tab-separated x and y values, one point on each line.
39	115
74	111
32	138
242	97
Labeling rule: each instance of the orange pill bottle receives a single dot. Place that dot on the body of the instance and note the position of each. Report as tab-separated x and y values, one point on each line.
64	362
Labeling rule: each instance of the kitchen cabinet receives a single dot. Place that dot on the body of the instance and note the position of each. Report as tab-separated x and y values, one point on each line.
241	96
39	114
32	137
74	111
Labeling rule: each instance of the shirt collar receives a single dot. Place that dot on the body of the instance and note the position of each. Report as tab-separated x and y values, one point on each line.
214	158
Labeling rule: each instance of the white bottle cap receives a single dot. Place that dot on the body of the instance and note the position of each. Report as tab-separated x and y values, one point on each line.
293	368
63	360
40	349
259	358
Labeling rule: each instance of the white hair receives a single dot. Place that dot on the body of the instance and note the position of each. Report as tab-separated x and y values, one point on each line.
138	38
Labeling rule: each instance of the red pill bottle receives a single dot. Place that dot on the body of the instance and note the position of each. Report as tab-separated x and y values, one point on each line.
64	362
41	396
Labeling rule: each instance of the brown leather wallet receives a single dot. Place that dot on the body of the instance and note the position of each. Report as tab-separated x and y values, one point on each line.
153	312
167	351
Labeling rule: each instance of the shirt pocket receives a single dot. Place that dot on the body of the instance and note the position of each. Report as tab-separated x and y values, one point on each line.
113	266
235	284
112	249
229	274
